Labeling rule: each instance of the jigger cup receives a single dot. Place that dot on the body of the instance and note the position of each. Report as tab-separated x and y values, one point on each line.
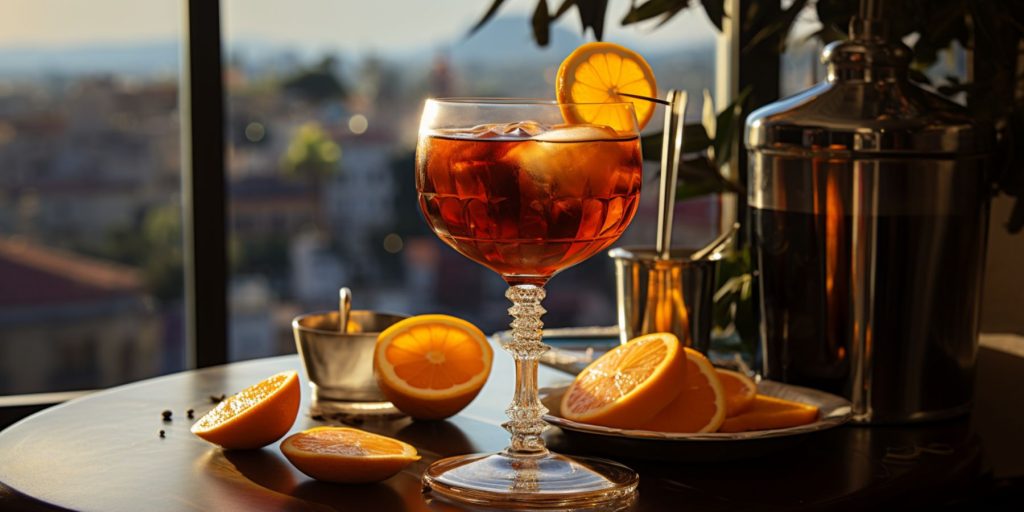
340	365
665	295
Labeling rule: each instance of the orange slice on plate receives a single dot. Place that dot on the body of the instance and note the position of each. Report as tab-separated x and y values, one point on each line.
768	413
347	455
255	417
701	403
740	391
432	366
629	384
599	73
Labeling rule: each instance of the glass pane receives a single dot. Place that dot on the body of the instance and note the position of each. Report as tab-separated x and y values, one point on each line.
90	244
324	105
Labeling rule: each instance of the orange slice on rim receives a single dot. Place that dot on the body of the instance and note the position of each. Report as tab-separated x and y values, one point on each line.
740	391
629	384
255	417
700	405
598	73
768	413
432	366
347	455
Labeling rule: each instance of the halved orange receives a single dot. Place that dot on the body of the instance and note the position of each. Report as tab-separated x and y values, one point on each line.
770	412
700	405
255	417
629	384
347	455
432	366
740	391
598	73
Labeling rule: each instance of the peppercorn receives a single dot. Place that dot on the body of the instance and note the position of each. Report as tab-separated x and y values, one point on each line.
166	414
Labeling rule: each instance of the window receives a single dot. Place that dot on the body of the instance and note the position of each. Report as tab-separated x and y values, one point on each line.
90	242
323	106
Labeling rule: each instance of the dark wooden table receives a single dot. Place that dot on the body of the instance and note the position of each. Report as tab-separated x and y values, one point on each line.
103	452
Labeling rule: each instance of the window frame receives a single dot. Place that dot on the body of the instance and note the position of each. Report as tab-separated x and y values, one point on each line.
204	189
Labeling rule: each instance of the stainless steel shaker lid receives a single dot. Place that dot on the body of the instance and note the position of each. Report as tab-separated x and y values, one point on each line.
867	107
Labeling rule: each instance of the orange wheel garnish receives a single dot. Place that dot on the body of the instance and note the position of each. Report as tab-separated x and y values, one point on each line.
629	384
598	73
740	391
770	412
700	405
255	417
347	455
432	366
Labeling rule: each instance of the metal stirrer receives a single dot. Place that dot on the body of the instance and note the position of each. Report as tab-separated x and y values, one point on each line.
671	156
344	308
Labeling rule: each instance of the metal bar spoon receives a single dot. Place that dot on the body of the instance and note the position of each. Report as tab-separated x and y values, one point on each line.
344	308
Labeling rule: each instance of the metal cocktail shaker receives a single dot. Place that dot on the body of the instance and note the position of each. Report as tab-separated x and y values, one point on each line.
869	212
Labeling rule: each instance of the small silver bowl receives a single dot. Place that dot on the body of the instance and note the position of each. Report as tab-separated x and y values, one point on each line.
340	366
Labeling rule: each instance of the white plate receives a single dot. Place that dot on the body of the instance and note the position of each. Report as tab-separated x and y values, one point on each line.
832	412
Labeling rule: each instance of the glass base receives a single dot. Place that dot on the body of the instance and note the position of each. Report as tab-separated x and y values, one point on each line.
342	410
549	481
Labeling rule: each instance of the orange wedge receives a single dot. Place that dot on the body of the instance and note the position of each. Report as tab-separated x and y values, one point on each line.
255	417
598	73
347	455
769	412
432	366
629	384
700	405
739	391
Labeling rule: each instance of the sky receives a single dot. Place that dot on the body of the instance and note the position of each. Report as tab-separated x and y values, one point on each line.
377	25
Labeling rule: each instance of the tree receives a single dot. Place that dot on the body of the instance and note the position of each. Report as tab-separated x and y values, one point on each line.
163	266
318	83
313	156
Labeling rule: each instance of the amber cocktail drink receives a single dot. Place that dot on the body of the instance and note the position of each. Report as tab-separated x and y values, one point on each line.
511	185
527	200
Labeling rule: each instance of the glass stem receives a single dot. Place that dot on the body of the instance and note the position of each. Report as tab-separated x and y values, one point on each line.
524	414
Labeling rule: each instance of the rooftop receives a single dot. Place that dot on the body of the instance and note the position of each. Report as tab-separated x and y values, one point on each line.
33	274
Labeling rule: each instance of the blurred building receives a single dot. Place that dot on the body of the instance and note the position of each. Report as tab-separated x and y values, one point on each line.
359	200
268	206
81	321
97	164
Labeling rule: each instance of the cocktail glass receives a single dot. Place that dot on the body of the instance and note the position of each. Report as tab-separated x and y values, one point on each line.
511	186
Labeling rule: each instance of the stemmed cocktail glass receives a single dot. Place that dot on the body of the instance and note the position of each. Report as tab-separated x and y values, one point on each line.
510	185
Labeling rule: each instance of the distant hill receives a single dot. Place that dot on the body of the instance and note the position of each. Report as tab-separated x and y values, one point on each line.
143	58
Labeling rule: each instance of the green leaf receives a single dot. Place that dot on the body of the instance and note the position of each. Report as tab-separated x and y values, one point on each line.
562	9
495	5
695	139
654	8
541	24
835	15
715	9
778	28
699	176
592	13
727	131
